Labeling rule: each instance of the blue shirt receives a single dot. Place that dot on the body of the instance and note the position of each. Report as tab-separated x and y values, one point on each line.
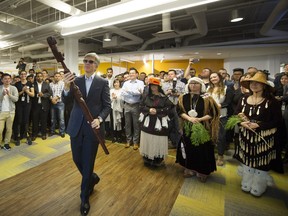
132	91
88	82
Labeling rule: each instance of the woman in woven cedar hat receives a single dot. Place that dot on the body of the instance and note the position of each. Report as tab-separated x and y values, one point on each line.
200	114
261	114
155	108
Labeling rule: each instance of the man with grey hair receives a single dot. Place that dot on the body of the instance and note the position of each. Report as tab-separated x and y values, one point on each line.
84	143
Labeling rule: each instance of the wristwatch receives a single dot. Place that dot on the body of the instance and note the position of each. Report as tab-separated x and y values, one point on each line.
100	119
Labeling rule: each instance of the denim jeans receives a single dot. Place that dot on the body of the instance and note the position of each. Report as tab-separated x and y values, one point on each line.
57	112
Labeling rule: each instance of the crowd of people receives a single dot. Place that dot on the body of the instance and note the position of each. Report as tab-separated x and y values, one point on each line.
162	111
30	105
153	112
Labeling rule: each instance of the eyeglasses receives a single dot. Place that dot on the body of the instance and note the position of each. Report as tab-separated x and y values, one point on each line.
193	83
88	61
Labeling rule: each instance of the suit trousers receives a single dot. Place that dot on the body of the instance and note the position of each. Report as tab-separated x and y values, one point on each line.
39	115
132	126
84	148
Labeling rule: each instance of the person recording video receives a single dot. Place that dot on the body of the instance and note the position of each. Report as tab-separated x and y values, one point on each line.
173	89
21	65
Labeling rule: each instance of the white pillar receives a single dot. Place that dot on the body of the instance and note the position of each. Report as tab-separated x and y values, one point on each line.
71	49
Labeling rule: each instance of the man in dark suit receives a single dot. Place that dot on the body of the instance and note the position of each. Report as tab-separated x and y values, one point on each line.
40	106
84	144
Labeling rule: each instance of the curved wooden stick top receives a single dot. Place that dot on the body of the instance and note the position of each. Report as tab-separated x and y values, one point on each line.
52	43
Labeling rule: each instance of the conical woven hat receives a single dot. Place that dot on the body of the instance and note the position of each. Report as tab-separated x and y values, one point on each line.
258	77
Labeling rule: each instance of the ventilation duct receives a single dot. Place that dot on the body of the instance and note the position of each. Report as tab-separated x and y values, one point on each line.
200	31
279	11
166	28
32	47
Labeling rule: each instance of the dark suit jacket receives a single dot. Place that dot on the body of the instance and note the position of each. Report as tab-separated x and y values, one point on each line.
98	101
45	100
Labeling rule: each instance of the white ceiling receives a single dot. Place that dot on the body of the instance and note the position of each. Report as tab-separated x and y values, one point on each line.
204	32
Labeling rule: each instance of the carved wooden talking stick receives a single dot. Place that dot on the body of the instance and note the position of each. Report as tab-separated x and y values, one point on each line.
77	93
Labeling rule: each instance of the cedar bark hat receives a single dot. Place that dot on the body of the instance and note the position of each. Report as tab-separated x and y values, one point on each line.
154	81
198	80
258	77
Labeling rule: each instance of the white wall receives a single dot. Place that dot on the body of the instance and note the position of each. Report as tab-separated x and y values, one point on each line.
271	63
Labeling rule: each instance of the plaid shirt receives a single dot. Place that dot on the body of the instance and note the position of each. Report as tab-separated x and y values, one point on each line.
57	89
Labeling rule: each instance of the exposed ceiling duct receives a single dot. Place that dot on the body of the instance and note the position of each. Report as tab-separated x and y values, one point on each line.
201	26
23	22
166	27
200	30
116	42
39	56
279	11
61	6
32	47
9	28
51	26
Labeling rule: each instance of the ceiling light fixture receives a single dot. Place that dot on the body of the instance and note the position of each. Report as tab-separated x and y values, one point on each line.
235	17
4	44
123	12
107	37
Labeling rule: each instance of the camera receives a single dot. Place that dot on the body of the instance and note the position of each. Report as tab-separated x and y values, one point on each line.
174	82
194	60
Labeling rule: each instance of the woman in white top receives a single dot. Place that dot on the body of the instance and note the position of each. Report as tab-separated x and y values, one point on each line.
223	96
117	110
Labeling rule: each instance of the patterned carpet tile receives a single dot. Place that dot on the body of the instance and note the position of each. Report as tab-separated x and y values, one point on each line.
241	203
186	206
222	195
24	157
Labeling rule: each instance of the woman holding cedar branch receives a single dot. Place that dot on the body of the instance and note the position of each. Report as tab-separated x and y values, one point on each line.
261	114
200	115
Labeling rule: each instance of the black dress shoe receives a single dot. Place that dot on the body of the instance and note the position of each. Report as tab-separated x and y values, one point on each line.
44	137
62	135
29	141
84	208
95	180
17	142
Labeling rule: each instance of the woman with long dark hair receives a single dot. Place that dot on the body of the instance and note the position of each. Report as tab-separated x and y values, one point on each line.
117	110
223	96
258	140
154	111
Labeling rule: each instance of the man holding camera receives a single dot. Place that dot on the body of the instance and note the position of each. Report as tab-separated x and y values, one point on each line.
173	89
21	65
